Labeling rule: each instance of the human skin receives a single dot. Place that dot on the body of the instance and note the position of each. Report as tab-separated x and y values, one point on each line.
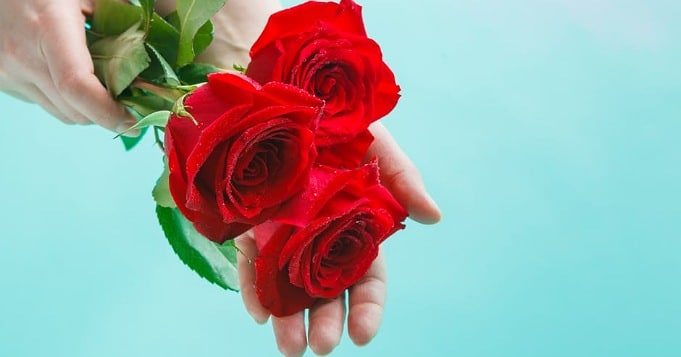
46	61
365	300
237	26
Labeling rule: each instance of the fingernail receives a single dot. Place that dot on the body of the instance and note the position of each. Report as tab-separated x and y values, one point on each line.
124	129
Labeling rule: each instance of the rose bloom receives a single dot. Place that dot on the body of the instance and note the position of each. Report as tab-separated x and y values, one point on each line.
323	48
244	151
325	239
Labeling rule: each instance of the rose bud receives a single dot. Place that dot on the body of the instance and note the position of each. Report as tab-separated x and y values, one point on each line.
243	150
325	239
323	48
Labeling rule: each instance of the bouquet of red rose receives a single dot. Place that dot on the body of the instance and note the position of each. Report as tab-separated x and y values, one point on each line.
278	147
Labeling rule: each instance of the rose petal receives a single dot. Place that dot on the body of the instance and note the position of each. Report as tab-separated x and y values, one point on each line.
272	285
346	16
228	109
347	155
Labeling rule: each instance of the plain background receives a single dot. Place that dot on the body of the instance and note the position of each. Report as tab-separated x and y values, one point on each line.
547	130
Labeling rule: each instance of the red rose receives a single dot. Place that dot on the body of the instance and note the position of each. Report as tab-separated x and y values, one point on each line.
323	47
325	239
250	149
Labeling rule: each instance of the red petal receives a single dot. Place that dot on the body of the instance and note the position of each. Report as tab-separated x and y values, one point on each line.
346	16
347	155
272	285
323	184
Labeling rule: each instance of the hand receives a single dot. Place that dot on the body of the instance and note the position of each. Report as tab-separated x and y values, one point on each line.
237	25
45	60
236	28
366	298
401	177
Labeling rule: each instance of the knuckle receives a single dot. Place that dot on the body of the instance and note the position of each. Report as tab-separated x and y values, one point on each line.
33	18
44	17
70	82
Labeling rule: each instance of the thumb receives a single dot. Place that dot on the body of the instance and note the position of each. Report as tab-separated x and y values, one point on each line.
401	178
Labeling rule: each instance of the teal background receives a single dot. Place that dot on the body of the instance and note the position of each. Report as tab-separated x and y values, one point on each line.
547	130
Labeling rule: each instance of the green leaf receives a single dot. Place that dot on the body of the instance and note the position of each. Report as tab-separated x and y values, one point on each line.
90	35
161	191
159	118
129	143
147	13
173	20
192	14
164	37
118	60
146	104
211	261
203	38
229	250
195	73
112	17
169	77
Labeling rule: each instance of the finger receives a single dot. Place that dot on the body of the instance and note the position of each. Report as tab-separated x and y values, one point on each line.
47	89
367	298
289	332
326	324
401	177
87	7
72	73
249	251
42	100
32	94
17	95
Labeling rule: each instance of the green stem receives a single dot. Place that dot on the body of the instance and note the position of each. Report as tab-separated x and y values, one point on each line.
140	109
159	142
169	94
